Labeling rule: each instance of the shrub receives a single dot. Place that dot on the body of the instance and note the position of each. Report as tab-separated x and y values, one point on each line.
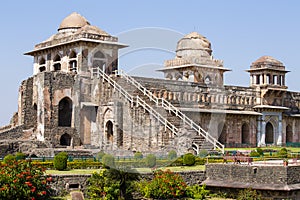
254	153
189	159
283	153
9	158
112	184
203	153
108	161
150	160
138	156
172	155
164	185
200	161
260	151
61	161
248	194
197	192
100	155
20	156
25	181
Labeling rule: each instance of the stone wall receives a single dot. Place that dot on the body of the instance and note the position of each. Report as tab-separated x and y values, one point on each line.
65	183
273	182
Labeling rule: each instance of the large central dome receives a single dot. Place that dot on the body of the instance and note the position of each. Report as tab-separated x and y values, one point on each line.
72	21
193	44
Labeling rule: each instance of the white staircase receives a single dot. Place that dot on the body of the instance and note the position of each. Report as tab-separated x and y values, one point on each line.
185	121
137	101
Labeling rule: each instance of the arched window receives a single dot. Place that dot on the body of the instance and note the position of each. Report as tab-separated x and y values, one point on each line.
222	133
269	133
65	139
73	61
245	134
109	132
289	133
42	65
56	63
65	112
99	62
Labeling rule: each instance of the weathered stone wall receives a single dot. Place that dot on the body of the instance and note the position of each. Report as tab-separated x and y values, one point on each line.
65	183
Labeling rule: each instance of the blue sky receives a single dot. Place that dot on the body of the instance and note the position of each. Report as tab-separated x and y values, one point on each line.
240	32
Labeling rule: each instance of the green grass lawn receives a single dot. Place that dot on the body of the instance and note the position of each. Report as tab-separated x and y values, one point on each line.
140	170
292	149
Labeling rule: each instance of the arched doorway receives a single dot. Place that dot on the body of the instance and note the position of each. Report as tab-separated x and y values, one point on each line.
109	132
65	140
245	134
99	62
269	133
289	133
222	133
65	112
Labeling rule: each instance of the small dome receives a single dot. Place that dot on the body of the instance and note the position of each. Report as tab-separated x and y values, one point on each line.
193	44
267	59
74	20
267	62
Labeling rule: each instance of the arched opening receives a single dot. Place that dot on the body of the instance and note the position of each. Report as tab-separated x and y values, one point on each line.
73	62
207	80
109	132
42	65
56	63
222	132
99	62
289	133
245	134
65	140
269	133
65	112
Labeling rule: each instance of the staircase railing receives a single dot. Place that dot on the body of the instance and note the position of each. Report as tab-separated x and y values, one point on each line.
139	102
171	108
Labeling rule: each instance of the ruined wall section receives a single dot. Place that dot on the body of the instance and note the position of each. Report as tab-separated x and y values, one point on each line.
51	89
27	111
134	129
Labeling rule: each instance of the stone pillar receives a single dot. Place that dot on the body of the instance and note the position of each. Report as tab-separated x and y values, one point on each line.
258	137
279	139
263	132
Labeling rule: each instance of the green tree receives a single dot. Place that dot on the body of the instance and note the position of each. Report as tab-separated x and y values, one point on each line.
61	161
112	184
138	156
189	159
108	161
151	160
172	155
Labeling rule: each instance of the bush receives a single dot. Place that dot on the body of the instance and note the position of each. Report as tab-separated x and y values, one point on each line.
100	155
189	159
150	160
197	192
203	153
260	151
283	153
164	185
108	161
20	156
248	194
138	156
25	181
61	161
254	153
172	155
9	158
